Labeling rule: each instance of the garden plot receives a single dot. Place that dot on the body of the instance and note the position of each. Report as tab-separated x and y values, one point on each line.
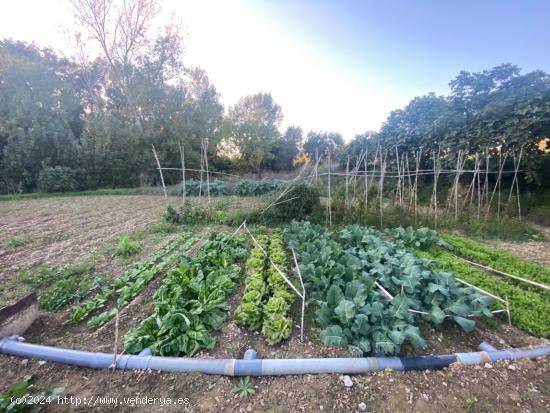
214	331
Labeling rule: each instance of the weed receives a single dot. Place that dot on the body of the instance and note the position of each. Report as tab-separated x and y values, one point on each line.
43	275
15	241
126	246
244	388
64	292
162	227
232	346
470	403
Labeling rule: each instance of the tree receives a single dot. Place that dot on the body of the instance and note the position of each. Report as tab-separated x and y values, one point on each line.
40	114
254	129
318	143
286	149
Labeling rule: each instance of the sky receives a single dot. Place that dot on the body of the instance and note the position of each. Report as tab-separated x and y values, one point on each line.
338	66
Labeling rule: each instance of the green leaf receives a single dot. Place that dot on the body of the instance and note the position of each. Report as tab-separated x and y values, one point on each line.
333	336
467	325
345	311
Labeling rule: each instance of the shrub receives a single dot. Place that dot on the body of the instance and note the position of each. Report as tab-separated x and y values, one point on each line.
126	246
301	202
57	179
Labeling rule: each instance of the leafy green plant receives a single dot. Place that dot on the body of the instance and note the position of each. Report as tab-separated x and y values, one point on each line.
266	300
65	292
529	310
244	388
21	389
15	241
498	259
130	284
126	246
232	346
192	301
102	318
364	287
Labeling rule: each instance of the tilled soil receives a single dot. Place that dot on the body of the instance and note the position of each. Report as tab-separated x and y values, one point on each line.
522	386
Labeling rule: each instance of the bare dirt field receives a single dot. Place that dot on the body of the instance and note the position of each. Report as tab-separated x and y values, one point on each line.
70	230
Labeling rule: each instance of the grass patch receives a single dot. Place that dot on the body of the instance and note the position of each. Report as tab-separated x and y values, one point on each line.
42	275
127	246
106	191
15	241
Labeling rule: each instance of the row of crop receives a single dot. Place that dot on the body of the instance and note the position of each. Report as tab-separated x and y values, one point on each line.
529	310
370	292
267	300
243	187
498	259
130	284
192	301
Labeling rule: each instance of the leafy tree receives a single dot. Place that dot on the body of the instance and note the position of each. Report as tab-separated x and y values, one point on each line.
286	149
254	122
318	143
40	114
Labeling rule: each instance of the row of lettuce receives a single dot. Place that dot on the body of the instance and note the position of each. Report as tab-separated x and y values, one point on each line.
267	299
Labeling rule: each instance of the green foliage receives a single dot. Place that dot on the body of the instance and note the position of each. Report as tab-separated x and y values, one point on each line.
341	276
319	143
300	202
126	246
266	301
529	309
193	188
191	301
102	318
57	179
15	241
22	389
498	259
253	129
42	275
246	187
64	292
249	312
130	284
189	213
244	388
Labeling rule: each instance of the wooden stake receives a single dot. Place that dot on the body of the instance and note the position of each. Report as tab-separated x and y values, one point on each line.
160	172
183	185
347	184
329	197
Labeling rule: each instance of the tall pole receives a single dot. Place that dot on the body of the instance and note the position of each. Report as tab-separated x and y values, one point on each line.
160	172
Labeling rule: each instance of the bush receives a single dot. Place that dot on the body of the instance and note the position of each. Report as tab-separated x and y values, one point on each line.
301	202
189	214
57	179
127	246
